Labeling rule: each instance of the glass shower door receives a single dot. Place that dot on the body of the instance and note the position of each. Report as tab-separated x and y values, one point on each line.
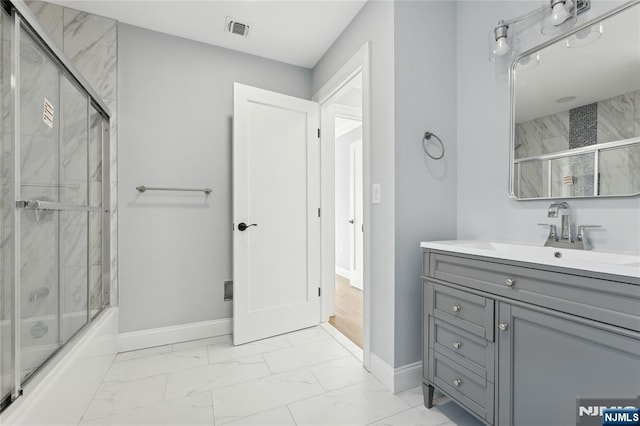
54	227
39	178
7	210
54	218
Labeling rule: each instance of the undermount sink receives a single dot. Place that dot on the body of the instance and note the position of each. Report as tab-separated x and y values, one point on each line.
627	264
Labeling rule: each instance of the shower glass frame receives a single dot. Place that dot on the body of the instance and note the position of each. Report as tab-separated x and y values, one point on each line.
95	210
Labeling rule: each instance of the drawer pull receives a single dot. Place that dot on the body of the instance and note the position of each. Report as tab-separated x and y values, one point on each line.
503	326
457	382
456	308
510	282
457	345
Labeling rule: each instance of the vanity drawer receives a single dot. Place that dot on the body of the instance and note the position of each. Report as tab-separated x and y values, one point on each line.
612	302
466	387
467	349
465	310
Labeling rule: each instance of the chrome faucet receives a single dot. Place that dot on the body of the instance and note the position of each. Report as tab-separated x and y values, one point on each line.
565	240
565	214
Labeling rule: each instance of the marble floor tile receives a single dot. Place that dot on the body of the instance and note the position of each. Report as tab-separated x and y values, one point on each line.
193	410
343	340
156	364
456	413
142	353
358	404
212	376
413	396
305	355
191	344
276	417
339	373
225	351
307	335
253	397
117	397
415	416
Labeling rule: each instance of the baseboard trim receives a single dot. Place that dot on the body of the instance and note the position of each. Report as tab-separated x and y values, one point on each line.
382	371
407	377
399	379
344	273
142	339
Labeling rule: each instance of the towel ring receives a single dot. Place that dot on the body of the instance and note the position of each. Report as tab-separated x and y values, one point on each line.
427	136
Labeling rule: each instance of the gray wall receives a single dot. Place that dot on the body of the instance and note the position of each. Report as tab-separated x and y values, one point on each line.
175	130
342	167
484	209
374	23
425	99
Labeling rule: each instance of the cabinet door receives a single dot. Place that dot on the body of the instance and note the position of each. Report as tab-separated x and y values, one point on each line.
546	361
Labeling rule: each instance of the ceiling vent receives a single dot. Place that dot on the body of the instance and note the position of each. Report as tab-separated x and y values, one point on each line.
234	27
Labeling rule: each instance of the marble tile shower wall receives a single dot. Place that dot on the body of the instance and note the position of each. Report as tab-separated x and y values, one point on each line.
90	42
618	118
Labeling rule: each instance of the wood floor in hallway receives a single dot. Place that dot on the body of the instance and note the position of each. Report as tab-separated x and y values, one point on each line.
348	317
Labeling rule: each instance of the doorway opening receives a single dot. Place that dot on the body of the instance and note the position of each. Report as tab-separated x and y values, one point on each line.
345	151
346	110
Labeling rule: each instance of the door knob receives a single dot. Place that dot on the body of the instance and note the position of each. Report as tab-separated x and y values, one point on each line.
243	226
503	326
352	221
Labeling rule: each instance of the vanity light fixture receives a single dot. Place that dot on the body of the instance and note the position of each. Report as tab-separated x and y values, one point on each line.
555	15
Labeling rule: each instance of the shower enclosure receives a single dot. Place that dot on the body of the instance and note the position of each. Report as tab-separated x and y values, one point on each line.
54	218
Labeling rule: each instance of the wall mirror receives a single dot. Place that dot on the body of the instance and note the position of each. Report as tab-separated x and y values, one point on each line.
575	112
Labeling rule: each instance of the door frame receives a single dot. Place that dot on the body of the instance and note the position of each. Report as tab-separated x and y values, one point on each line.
359	62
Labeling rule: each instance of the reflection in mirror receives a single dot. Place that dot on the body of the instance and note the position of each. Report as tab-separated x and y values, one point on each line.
576	112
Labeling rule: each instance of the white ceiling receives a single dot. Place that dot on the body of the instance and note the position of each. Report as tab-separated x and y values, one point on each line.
297	32
608	67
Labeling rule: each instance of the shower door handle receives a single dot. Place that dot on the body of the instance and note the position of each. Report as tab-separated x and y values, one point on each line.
49	205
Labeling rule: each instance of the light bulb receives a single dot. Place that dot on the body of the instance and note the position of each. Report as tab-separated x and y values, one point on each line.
502	46
559	14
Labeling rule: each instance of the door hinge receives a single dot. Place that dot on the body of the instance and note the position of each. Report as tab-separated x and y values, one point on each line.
318	211
318	133
319	291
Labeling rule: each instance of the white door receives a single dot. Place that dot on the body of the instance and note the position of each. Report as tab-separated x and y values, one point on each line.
355	209
276	186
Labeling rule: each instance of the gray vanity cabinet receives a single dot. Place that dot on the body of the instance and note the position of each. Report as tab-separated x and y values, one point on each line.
545	361
517	343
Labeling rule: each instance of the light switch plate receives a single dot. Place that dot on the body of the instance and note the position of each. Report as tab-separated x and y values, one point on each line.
375	193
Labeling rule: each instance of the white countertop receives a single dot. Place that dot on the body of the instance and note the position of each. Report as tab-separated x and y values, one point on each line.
625	264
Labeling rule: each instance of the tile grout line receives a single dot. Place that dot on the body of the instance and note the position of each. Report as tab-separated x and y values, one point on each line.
291	414
267	364
120	413
213	408
166	385
117	413
84	412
